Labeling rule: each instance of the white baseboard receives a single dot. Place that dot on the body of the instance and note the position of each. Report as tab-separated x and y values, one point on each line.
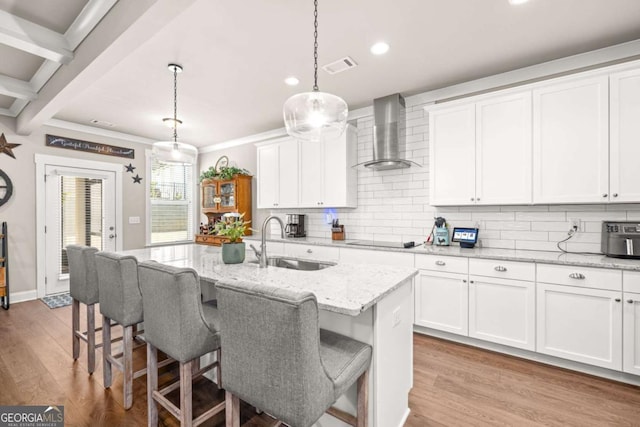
16	297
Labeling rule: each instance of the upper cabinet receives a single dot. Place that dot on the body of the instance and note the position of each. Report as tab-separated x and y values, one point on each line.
301	174
571	142
624	144
278	174
480	152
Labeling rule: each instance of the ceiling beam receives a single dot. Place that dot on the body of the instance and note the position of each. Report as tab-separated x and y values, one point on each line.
33	38
16	88
127	25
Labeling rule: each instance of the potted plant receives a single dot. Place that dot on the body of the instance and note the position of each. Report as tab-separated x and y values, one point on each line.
232	226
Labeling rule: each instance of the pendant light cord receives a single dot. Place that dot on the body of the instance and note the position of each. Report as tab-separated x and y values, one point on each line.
175	104
315	46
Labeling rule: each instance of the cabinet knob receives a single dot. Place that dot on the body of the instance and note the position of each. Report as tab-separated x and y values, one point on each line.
478	199
577	276
472	199
618	300
464	280
605	195
500	268
630	301
309	251
440	262
471	281
615	194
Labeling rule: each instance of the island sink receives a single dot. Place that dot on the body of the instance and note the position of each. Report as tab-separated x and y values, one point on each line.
297	263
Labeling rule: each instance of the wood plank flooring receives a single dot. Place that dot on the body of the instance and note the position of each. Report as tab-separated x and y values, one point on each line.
454	385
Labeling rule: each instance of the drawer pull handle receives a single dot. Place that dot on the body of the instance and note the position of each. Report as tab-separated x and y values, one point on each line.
440	262
630	301
576	276
309	251
464	280
500	268
618	300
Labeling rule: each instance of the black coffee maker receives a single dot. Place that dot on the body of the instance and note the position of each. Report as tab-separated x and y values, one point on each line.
295	226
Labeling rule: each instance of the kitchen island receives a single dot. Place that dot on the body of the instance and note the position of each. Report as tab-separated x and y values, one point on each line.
370	303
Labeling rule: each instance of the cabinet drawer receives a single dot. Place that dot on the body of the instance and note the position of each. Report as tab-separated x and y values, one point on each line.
631	281
503	269
363	256
448	264
312	252
596	278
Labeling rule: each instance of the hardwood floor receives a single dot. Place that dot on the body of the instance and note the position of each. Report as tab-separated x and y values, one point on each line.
454	385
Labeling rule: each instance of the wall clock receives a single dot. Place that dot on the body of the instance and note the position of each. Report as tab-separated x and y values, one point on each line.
6	188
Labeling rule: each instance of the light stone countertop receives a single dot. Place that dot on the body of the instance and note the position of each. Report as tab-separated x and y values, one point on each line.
547	257
344	288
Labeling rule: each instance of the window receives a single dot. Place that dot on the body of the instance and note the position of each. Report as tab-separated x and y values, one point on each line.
170	213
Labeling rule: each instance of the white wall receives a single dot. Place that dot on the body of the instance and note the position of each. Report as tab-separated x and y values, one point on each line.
394	206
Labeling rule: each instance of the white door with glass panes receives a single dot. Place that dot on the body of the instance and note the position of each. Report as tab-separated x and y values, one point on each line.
571	142
624	144
80	210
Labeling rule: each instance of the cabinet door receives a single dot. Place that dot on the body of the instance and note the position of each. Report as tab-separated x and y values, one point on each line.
502	311
503	150
571	142
311	170
631	341
227	195
625	136
288	174
268	170
452	156
441	301
580	324
339	178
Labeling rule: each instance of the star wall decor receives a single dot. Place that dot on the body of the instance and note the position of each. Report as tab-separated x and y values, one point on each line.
130	168
137	179
7	148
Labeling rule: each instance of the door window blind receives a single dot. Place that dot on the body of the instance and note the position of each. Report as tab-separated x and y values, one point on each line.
171	193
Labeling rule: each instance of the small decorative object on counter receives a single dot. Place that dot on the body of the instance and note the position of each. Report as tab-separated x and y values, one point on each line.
232	226
337	230
439	235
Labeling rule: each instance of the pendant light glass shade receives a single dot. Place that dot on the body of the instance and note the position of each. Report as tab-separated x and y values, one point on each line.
312	116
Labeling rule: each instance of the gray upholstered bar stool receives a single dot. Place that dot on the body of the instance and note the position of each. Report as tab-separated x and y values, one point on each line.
178	324
83	287
120	300
278	359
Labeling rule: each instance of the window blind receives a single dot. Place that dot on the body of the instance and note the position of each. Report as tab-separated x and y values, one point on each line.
171	193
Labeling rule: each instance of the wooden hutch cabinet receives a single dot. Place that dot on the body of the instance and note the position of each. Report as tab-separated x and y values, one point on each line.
224	196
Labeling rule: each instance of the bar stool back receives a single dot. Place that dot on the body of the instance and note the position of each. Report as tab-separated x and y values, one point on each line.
278	359
83	287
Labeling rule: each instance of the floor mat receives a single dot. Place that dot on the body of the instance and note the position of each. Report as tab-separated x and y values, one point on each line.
56	301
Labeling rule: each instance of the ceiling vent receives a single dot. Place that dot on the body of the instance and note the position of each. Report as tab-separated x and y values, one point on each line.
102	123
340	65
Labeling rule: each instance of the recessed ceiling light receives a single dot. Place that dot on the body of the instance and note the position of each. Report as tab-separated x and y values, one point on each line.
515	2
379	48
291	81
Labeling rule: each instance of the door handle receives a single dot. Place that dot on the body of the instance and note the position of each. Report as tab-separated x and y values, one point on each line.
112	236
629	243
440	262
500	268
576	276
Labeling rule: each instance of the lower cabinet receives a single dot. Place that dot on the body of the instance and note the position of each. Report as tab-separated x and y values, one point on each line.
580	324
502	311
631	328
441	301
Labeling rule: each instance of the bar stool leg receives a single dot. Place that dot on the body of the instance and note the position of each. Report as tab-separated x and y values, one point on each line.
232	410
75	320
91	338
219	368
363	400
106	351
152	385
127	363
186	412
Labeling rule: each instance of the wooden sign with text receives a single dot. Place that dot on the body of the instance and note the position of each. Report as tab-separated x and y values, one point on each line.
90	147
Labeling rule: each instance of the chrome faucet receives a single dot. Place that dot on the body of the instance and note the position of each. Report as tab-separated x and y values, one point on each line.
263	243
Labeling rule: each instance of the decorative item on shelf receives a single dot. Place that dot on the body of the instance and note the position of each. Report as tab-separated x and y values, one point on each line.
7	148
223	173
174	151
314	115
337	230
6	188
89	147
232	226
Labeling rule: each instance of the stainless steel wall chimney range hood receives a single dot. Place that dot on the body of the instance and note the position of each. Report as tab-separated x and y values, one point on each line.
389	134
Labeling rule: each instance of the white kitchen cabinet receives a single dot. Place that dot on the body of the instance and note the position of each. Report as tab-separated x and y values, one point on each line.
452	155
624	151
631	338
364	256
327	179
441	301
571	142
314	252
502	302
503	150
580	324
277	174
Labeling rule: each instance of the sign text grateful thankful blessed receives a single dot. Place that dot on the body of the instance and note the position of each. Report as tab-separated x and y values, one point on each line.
91	147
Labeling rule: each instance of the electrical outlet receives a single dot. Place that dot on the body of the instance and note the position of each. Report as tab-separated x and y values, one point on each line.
134	220
396	317
576	224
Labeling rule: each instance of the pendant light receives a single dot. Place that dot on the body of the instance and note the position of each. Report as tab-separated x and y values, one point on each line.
312	116
174	151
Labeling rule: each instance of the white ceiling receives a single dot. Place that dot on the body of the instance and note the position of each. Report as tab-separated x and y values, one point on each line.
236	55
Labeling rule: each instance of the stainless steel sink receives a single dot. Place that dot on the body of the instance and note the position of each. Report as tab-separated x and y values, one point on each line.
297	263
